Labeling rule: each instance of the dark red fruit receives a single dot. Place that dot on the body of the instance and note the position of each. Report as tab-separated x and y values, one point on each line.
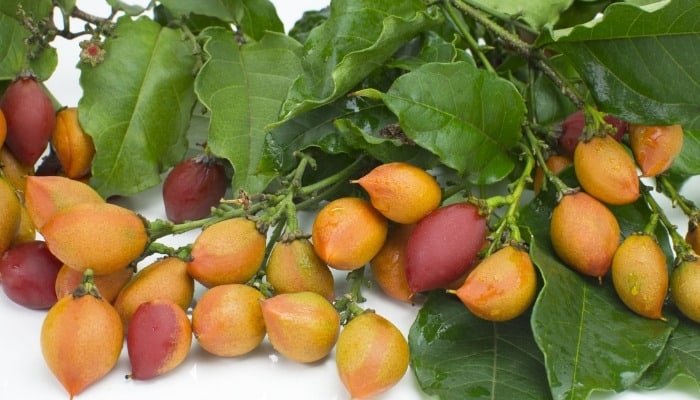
443	246
193	187
28	275
572	127
30	119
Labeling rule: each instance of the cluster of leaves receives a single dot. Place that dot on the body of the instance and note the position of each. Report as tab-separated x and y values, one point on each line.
446	85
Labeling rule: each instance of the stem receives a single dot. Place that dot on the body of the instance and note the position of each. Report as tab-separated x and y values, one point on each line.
687	206
347	305
683	250
536	145
466	34
342	175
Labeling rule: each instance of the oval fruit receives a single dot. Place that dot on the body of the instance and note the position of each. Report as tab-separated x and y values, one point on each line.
348	220
116	237
229	251
27	275
165	278
402	192
371	355
81	340
572	128
73	147
389	265
501	287
685	286
606	171
640	275
46	195
108	285
444	246
11	208
301	326
193	187
13	170
159	339
227	320
584	234
655	147
294	266
30	119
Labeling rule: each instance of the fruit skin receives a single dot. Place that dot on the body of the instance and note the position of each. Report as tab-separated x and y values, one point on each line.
81	340
444	246
13	170
294	266
584	234
159	339
73	147
10	207
692	236
572	128
193	187
26	231
371	355
640	275
165	278
302	326
402	192
27	275
348	220
685	286
30	119
606	171
502	286
3	128
227	320
556	163
655	147
109	285
46	195
229	251
116	237
389	265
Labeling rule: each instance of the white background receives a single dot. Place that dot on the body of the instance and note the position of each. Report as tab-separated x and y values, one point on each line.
260	375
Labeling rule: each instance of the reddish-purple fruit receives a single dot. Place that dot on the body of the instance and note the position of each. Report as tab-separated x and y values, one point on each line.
159	338
28	274
572	128
443	246
30	119
193	187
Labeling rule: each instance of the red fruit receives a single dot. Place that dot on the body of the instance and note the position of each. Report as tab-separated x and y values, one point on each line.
28	274
572	127
193	187
443	246
30	119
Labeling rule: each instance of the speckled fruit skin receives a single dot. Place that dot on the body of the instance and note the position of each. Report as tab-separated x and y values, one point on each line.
640	275
584	234
371	355
606	171
73	147
10	209
45	195
81	340
294	266
109	285
27	275
159	339
556	163
402	192
685	286
302	326
502	286
655	148
229	251
227	320
389	265
348	220
444	246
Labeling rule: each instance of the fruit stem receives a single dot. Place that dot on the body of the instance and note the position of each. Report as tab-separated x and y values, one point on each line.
347	304
684	251
595	125
463	29
687	206
536	150
87	286
339	176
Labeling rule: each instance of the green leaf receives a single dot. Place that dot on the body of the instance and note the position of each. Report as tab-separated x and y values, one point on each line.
359	36
640	63
433	49
35	9
590	340
535	13
468	117
129	9
456	355
12	48
244	87
137	104
687	163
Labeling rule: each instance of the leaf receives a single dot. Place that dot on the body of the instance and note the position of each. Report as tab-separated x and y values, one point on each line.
468	117
12	48
687	163
359	36
456	355
590	340
136	105
244	88
14	53
433	48
640	63
535	13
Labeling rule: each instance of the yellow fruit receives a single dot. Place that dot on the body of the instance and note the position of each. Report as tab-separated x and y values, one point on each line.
655	147
10	209
13	170
45	195
344	221
109	285
294	266
389	265
401	192
606	171
3	128
72	145
556	163
685	286
26	232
